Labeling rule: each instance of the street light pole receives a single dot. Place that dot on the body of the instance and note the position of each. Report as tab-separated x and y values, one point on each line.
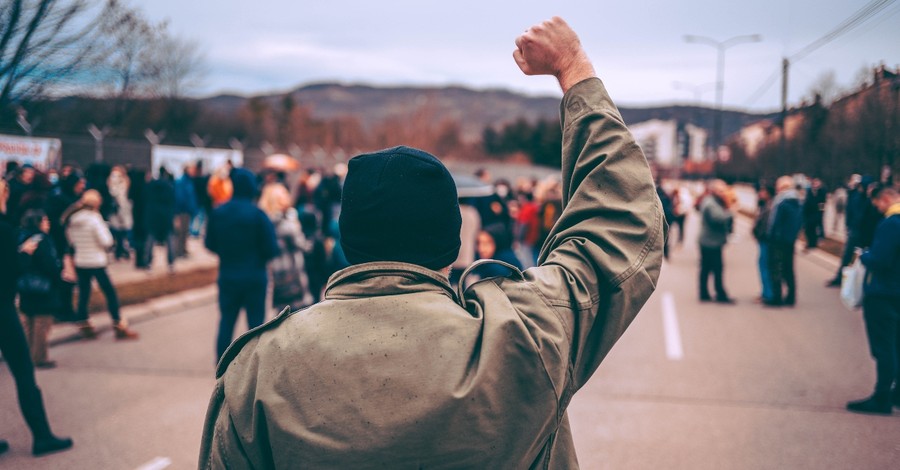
720	46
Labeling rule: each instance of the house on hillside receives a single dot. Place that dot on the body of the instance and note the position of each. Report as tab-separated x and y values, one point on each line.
757	135
884	89
669	144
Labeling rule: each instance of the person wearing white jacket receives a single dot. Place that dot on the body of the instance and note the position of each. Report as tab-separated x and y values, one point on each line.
91	240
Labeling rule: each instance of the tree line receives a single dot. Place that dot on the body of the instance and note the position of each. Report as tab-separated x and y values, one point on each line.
859	133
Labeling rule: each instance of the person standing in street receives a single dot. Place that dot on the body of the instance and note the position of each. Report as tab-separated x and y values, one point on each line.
39	298
856	208
159	200
761	234
715	226
70	189
91	240
288	281
881	306
396	369
185	209
682	202
243	237
814	213
785	223
668	211
14	346
121	217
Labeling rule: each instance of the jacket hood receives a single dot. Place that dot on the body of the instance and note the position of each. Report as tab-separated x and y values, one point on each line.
82	216
789	194
244	184
67	184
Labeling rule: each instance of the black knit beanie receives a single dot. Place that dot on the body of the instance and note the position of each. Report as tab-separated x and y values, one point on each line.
400	204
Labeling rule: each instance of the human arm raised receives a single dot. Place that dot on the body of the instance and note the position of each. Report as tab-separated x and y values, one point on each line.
602	259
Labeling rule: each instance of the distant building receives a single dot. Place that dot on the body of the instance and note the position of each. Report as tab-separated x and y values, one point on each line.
669	145
755	136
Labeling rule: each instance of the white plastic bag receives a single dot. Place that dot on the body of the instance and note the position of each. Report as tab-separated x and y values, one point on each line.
852	278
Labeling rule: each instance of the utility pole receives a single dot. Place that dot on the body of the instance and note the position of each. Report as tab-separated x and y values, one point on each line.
785	68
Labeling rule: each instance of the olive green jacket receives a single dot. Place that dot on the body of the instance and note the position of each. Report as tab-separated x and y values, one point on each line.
392	370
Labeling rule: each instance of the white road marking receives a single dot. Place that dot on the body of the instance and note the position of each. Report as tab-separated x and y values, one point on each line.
670	328
158	463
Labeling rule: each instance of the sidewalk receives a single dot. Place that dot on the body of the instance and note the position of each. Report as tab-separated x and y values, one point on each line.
146	294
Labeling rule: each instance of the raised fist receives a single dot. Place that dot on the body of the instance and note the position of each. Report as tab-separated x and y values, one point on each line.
553	48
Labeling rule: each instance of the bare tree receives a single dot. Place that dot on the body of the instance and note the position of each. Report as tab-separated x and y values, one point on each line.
128	39
180	66
826	88
44	43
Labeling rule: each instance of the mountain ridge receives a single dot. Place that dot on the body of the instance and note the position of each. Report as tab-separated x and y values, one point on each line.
474	109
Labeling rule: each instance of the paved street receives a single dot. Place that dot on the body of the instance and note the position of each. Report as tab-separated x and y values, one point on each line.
690	385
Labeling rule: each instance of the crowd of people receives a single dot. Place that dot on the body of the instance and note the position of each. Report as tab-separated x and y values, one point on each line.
277	237
113	214
792	208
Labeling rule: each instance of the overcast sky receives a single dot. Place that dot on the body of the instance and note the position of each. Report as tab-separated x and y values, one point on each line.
262	46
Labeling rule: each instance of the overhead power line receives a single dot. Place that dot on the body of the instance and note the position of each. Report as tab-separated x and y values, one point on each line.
869	10
857	18
764	87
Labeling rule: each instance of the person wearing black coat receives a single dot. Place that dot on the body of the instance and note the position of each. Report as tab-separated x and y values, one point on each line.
69	192
244	238
159	207
881	306
139	236
785	223
39	301
14	346
814	213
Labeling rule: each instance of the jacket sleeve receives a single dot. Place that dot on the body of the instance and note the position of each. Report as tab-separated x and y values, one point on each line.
601	261
45	259
882	256
717	215
211	233
102	234
220	447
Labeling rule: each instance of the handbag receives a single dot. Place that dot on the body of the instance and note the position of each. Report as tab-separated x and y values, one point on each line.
852	279
33	284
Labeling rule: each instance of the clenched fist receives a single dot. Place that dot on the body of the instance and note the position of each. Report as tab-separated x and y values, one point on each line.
553	48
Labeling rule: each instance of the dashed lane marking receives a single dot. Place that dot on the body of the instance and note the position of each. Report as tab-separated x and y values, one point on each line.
158	463
674	350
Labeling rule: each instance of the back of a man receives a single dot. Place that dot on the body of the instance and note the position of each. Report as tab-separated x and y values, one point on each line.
244	239
393	370
785	222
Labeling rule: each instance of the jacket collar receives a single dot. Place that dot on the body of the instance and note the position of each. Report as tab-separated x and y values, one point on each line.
894	209
385	278
788	194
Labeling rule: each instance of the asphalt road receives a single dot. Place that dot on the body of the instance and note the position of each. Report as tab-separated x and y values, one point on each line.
690	385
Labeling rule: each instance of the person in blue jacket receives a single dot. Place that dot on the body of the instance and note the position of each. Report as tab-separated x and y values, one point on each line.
244	238
785	222
881	306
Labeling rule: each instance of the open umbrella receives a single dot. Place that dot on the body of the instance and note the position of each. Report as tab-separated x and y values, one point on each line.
281	162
